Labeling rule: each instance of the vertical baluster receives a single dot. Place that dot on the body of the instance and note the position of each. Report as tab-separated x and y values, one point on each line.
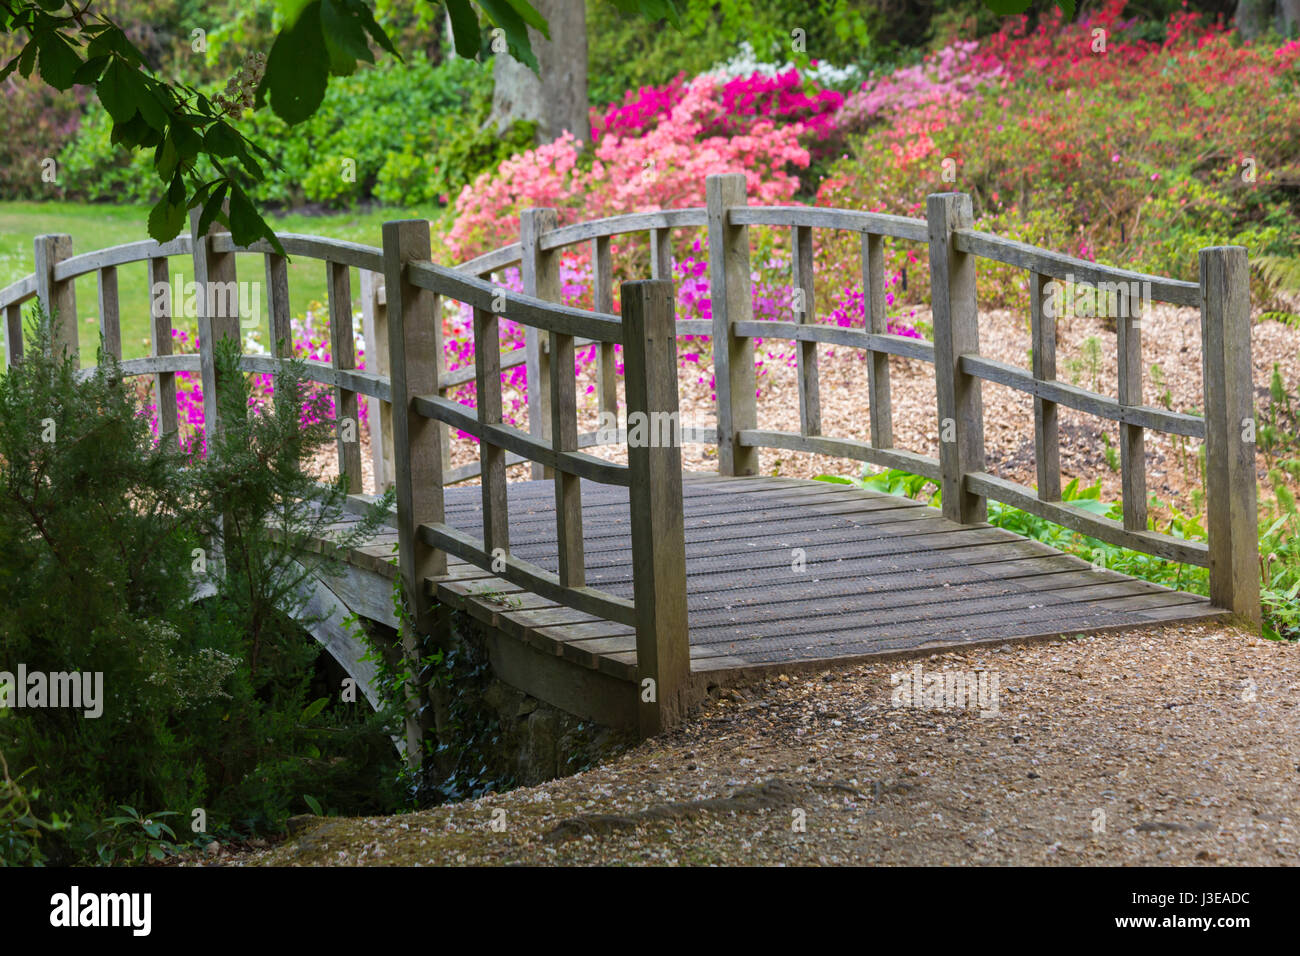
492	458
661	254
374	316
603	301
343	355
541	276
13	334
1047	442
277	304
160	329
810	405
876	322
110	321
1132	443
564	437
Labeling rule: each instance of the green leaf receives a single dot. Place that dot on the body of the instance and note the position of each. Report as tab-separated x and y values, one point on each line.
312	710
503	15
59	62
166	220
465	30
345	36
297	68
89	72
530	16
314	804
114	92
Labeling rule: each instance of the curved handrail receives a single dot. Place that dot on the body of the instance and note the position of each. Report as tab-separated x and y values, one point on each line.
120	255
1056	264
341	251
878	223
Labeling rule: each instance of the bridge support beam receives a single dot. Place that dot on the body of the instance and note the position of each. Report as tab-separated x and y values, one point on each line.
1230	480
663	653
956	333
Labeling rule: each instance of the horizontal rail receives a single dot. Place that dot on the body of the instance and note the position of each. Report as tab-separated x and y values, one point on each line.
351	379
1000	373
1058	265
313	247
902	345
527	575
618	225
492	261
521	443
150	365
877	223
850	448
524	309
1085	522
18	292
140	251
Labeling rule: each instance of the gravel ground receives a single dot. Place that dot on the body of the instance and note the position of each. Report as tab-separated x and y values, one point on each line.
1170	745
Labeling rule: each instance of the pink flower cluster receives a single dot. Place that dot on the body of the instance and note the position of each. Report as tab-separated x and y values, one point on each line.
945	77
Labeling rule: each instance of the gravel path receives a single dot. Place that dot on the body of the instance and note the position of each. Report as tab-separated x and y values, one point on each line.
1172	745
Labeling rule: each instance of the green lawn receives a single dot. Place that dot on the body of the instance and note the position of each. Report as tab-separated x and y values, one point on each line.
99	226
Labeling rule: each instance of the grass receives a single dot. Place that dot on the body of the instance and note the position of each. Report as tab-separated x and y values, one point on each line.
97	226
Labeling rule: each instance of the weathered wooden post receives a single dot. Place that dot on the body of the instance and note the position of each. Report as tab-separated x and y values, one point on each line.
1230	489
413	344
218	311
541	277
956	331
732	301
59	297
13	334
663	651
374	324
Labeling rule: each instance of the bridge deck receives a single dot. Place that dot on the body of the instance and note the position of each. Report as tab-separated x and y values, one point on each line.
881	574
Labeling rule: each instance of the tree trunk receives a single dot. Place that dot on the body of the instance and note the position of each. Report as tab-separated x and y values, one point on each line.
557	100
1253	17
1288	15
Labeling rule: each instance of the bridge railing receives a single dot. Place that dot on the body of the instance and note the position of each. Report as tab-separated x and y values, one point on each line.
961	469
406	382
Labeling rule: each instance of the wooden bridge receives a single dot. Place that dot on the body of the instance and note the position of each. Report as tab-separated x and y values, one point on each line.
618	592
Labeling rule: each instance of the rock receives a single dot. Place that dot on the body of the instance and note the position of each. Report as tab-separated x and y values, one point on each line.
302	823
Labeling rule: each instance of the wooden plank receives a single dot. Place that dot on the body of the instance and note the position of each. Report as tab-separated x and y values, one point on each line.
876	322
1230	479
343	356
1047	439
843	448
657	517
620	225
374	318
810	406
956	333
160	331
731	296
